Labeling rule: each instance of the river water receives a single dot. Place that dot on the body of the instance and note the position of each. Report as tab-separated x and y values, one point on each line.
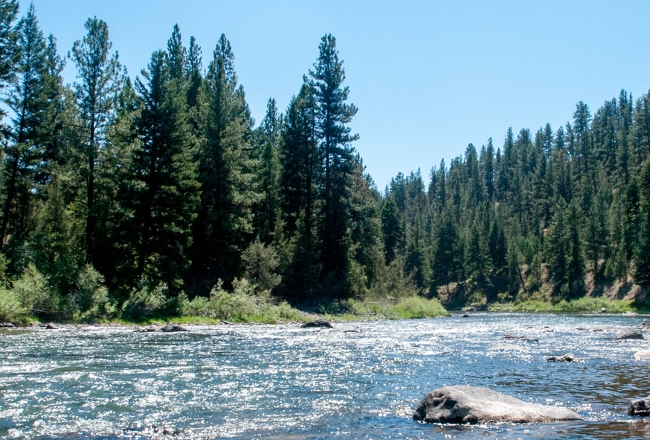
358	380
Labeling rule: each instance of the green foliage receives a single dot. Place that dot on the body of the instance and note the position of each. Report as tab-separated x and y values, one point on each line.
582	305
3	271
418	307
11	309
408	307
145	301
34	294
90	297
642	253
164	195
260	263
333	114
168	181
100	78
241	305
229	188
393	283
24	150
392	228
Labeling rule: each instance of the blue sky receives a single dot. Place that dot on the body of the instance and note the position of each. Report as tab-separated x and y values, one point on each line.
428	77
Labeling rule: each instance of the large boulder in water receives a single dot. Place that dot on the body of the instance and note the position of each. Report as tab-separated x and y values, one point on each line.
566	358
629	335
467	404
170	328
640	407
319	323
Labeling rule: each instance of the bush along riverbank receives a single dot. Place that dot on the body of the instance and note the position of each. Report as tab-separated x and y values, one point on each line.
30	299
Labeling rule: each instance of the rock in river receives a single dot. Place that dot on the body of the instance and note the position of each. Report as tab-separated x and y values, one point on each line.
173	328
630	335
566	358
317	323
640	407
642	354
467	404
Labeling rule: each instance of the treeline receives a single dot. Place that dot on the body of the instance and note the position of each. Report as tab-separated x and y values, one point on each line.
124	195
558	212
115	190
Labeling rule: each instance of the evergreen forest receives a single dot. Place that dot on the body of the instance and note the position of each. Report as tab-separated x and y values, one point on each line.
159	193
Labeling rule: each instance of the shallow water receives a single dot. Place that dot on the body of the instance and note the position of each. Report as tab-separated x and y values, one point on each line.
359	380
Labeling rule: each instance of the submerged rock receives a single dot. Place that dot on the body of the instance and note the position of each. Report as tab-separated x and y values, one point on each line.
173	328
640	407
467	404
566	358
507	347
518	338
148	329
629	335
51	326
319	323
6	325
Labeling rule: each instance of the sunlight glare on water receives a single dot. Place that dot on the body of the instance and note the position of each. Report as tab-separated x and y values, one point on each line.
358	380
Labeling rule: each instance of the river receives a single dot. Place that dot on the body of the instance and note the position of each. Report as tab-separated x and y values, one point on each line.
359	380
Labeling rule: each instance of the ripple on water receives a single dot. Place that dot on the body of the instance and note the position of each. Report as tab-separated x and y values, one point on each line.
284	381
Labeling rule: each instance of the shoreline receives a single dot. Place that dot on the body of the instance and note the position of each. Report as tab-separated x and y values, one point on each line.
158	323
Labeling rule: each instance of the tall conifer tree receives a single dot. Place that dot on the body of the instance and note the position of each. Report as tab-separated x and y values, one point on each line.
165	196
333	117
24	152
224	225
100	77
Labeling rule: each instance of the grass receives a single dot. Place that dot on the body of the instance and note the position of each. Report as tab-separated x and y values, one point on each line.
581	305
410	307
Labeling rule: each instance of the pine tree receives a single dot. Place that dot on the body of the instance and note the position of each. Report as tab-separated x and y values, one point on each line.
301	175
100	76
576	259
165	195
333	115
416	263
446	259
631	220
487	166
9	35
268	138
224	225
366	250
556	247
642	254
176	55
392	230
477	261
24	152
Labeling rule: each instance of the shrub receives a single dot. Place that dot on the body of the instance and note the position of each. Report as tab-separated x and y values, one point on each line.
34	293
145	301
10	308
260	263
418	307
90	298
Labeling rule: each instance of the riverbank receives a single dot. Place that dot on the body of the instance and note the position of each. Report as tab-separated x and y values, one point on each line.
585	305
246	309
